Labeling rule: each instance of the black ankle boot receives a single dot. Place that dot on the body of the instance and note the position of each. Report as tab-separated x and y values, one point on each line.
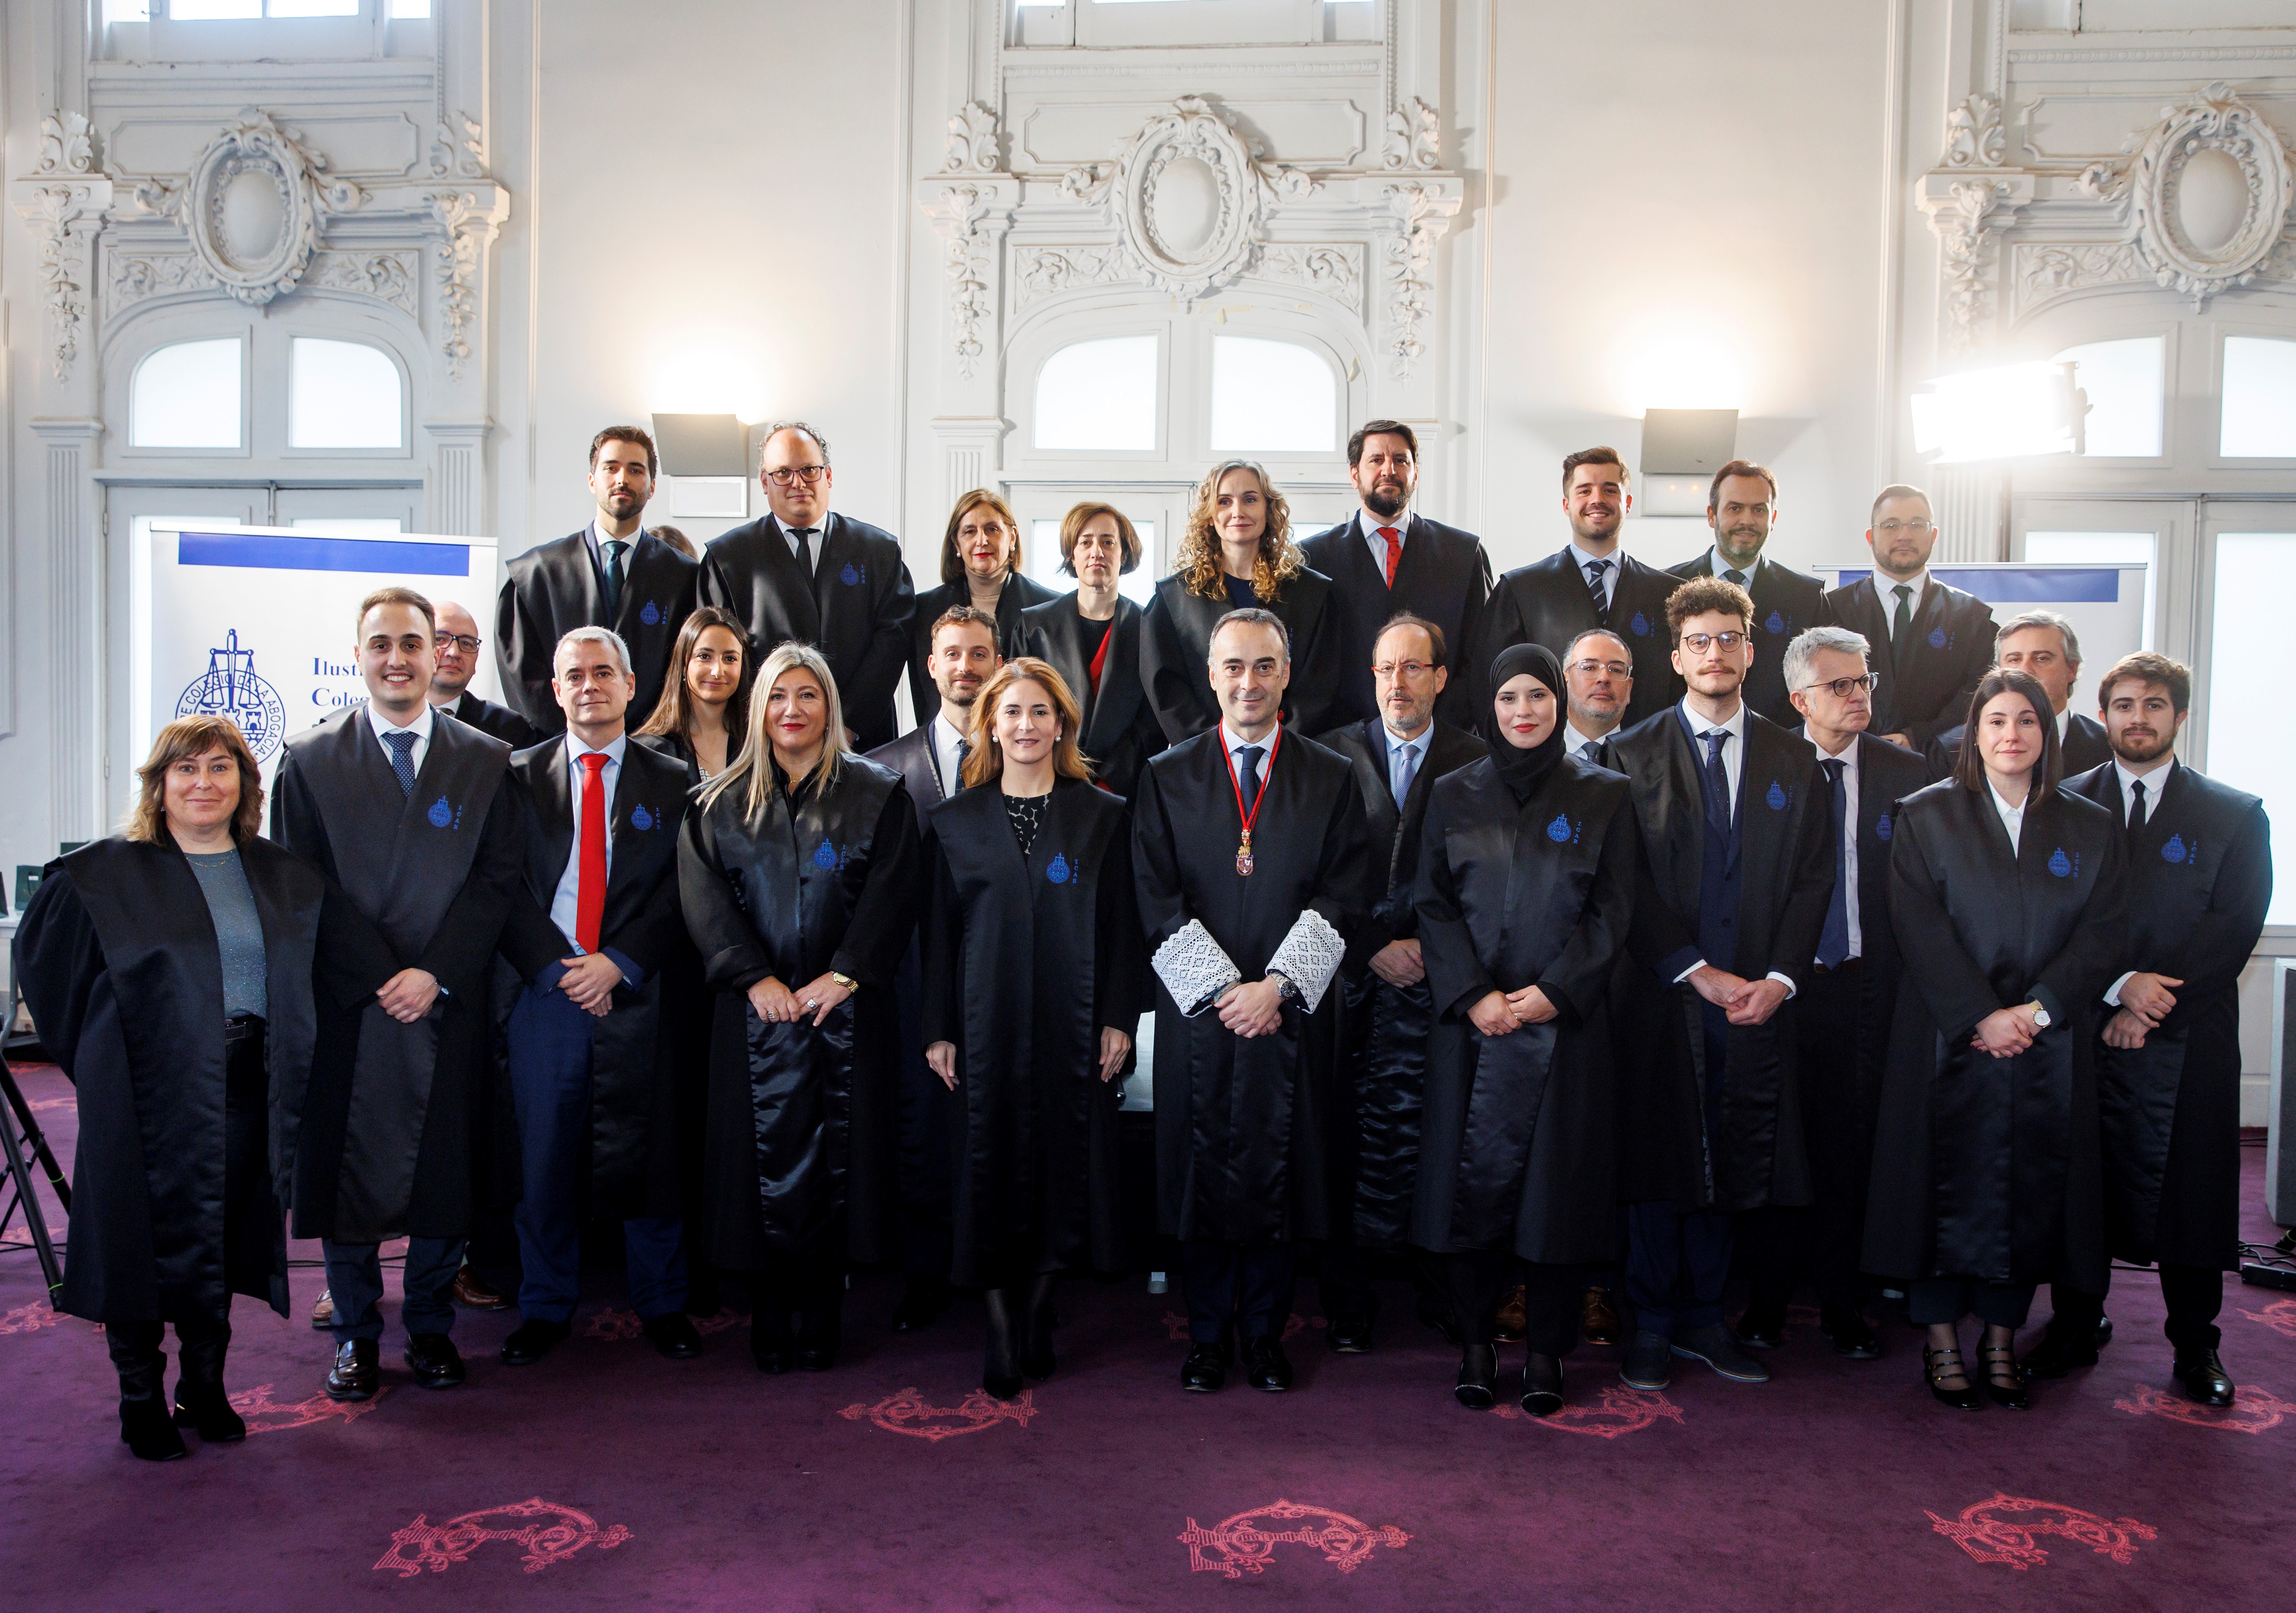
1000	1371
200	1400
143	1425
1036	1358
1478	1375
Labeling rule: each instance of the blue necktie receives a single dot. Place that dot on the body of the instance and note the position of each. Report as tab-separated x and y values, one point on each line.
1717	782
1598	591
1403	767
401	747
1833	941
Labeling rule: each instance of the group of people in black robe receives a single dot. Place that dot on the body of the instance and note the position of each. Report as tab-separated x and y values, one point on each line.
1564	981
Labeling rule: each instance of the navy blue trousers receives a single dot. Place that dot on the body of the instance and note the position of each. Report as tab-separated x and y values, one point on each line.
355	1283
1235	1287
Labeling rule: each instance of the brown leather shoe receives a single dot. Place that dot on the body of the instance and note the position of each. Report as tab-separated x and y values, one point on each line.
323	1313
1512	1321
1598	1318
472	1295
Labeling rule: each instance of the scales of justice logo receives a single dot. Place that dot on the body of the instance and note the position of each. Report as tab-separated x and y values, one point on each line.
231	688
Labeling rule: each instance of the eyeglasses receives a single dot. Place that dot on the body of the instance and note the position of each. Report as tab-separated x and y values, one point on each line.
1911	529
463	642
1402	669
807	473
1841	687
1595	669
1696	642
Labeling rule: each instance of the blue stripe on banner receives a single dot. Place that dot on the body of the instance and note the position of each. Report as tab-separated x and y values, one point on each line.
2098	585
258	551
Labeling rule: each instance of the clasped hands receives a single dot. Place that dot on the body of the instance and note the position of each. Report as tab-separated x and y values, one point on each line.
776	1004
1504	1013
408	996
2146	1000
1747	1002
1115	1048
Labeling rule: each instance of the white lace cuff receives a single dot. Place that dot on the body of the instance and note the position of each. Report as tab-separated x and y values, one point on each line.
1192	967
1309	957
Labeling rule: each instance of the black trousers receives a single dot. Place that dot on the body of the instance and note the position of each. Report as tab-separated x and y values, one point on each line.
1237	1289
137	1357
1479	1281
1935	1301
1820	1243
2195	1296
1343	1279
932	1124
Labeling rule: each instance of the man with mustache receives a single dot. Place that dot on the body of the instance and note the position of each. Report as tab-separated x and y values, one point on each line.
1741	506
1386	560
1932	642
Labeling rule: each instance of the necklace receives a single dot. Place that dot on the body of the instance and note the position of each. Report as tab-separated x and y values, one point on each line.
1243	847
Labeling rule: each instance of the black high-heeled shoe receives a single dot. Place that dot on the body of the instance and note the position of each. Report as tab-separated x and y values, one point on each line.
2013	1393
1478	1387
1937	1366
1000	1374
1037	1358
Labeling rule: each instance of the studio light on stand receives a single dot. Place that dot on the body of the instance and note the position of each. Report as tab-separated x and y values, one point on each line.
2016	411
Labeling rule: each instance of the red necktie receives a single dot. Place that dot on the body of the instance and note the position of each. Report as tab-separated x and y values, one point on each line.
1394	551
590	883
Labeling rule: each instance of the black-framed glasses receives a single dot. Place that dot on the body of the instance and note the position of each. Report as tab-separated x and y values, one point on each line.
1411	670
787	473
1595	669
1697	643
1840	688
465	642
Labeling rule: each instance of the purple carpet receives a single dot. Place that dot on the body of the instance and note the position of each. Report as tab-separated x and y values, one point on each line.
608	1477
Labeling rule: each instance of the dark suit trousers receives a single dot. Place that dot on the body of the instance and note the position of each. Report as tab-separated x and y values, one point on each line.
932	1122
1677	1261
2195	1296
1781	1247
1236	1288
1479	1280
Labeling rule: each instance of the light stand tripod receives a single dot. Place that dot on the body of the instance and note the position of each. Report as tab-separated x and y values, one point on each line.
26	1145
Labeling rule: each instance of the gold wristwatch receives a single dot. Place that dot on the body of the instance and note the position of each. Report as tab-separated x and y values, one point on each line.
846	981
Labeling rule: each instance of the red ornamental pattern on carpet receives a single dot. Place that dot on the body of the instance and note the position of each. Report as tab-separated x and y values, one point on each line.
2280	1316
2251	1411
909	1412
1613	1411
1176	1326
2005	1529
616	1324
1238	1545
27	1318
555	1534
265	1415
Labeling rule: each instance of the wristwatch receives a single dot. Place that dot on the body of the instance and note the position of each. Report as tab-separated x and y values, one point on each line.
2041	1020
1285	987
846	981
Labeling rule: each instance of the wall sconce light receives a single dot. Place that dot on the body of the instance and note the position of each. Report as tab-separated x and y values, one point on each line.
710	457
1682	449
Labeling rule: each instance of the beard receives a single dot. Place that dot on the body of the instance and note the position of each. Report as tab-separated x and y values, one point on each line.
1383	504
2129	748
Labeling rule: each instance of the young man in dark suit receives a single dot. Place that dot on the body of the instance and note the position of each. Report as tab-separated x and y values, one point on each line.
1741	506
612	574
1586	583
825	580
2042	644
450	686
1931	642
1385	561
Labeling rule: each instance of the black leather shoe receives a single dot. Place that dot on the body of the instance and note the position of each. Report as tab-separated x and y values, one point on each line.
356	1374
2004	1380
1205	1371
145	1429
1853	1336
1763	1327
2204	1379
205	1408
2056	1355
1351	1334
1478	1387
675	1335
774	1349
1937	1366
2104	1331
533	1339
434	1361
1266	1366
922	1305
1438	1318
775	1360
1542	1384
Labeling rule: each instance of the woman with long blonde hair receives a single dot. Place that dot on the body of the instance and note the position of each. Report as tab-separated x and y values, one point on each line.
798	870
1237	553
981	563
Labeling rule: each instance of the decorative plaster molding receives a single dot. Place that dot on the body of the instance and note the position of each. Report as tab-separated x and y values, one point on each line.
64	146
971	147
467	220
970	217
459	156
1422	212
1413	137
1968	215
253	145
65	220
1974	138
1042	271
2059	56
1244	189
2042	271
1087	182
1331	270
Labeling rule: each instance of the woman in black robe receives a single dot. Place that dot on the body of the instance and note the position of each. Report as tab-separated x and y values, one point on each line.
980	566
169	970
797	868
1526	887
1035	975
1092	638
703	713
2007	897
1238	554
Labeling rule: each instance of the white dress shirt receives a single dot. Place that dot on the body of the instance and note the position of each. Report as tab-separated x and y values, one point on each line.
1377	545
946	738
1849	784
2154	782
1611	563
1237	744
598	540
1575	743
789	536
1719	564
565	902
420	727
1733	764
2012	817
1885	589
1397	748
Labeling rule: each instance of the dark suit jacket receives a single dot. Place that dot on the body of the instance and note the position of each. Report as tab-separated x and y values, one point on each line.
1395	828
1886	774
854	608
1121	731
1176	642
555	587
499	720
910	756
1546	602
1443	575
1018	594
1925	686
2085	746
1785	603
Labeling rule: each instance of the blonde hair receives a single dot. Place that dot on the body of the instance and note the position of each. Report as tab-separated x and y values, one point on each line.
1198	564
180	740
754	763
985	760
952	563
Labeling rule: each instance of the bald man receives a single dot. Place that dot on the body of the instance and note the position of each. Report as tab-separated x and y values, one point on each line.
459	644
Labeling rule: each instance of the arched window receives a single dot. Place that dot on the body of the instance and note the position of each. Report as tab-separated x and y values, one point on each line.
2124	382
343	395
1099	395
1272	398
2258	399
187	395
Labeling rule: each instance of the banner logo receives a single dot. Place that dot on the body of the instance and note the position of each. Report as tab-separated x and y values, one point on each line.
231	688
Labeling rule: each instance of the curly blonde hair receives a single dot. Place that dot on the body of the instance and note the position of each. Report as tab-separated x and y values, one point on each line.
1198	565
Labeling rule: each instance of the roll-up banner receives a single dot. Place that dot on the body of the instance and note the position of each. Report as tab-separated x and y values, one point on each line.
260	624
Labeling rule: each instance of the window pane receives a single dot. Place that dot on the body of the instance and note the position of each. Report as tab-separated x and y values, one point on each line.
1099	395
315	8
2260	399
341	395
350	526
1271	397
403	10
1137	585
186	395
2091	549
2122	380
213	10
2256	573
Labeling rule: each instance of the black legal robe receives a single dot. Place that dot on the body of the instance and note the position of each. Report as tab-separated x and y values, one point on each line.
2200	883
117	958
1987	1167
1786	603
496	721
1384	1028
1245	1129
1026	959
554	588
855	608
635	1090
1546	602
1443	575
1519	1149
1017	594
1176	642
2083	746
383	1140
803	1133
1121	730
1747	1149
1925	683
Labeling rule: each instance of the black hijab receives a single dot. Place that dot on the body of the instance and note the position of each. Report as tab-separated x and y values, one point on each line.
1523	770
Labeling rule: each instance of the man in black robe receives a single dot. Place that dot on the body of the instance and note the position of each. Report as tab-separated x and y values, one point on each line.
1741	506
2042	645
404	812
1396	757
612	574
1589	582
1252	862
1599	672
825	580
1737	875
591	1080
2168	1073
1387	560
1842	1012
1931	642
450	685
